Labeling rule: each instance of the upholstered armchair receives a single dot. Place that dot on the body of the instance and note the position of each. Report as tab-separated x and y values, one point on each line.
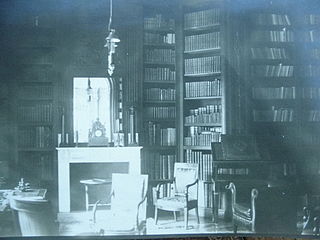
127	215
243	214
184	194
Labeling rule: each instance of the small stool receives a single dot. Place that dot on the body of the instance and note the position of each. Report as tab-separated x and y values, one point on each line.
93	182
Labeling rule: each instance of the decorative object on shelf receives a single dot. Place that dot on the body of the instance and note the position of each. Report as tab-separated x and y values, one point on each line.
89	90
22	186
132	135
97	135
111	44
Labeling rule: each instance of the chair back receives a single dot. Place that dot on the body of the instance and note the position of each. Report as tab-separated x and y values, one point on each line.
185	173
128	191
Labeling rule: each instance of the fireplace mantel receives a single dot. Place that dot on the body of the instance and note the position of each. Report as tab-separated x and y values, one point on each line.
68	155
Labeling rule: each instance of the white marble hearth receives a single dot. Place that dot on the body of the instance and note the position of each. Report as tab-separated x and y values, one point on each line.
67	156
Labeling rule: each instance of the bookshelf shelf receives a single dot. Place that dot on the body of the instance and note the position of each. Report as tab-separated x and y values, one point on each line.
159	119
160	82
203	74
159	45
202	124
205	148
203	98
203	51
159	102
159	30
160	64
210	27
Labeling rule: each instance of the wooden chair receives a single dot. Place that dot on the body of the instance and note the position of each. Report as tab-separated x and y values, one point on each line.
34	217
243	214
185	192
127	215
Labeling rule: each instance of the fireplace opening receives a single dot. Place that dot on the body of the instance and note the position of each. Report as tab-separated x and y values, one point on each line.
80	171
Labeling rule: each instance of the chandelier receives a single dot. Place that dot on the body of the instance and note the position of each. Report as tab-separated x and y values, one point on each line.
111	43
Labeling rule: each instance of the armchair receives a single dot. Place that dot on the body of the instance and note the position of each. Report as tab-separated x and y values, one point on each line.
127	215
184	196
272	209
243	214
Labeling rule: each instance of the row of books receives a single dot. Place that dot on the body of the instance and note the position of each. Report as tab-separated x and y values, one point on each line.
38	112
312	19
35	137
312	36
160	112
38	56
160	94
205	163
159	74
272	70
196	130
310	139
162	55
163	167
274	115
38	91
36	166
202	65
272	19
274	93
203	88
202	41
315	53
208	109
202	18
310	70
233	171
273	36
159	38
204	118
311	93
269	53
36	73
202	139
158	21
155	135
313	116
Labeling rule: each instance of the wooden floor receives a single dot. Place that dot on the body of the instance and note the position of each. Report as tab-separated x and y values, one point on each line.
80	223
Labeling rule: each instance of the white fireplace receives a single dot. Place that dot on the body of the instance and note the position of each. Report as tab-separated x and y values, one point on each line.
67	156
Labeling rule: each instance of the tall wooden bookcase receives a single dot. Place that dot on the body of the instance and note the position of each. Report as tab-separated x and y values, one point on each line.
202	92
282	69
35	106
159	93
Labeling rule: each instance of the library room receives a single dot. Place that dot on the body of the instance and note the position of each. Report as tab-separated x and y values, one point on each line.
159	118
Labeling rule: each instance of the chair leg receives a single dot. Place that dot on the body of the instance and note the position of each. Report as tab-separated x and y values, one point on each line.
175	215
197	214
156	215
186	213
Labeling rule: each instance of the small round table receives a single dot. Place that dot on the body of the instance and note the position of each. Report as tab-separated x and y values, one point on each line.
93	182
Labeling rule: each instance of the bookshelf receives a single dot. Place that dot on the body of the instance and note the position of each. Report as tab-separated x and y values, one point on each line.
309	73
277	83
159	94
35	107
203	95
